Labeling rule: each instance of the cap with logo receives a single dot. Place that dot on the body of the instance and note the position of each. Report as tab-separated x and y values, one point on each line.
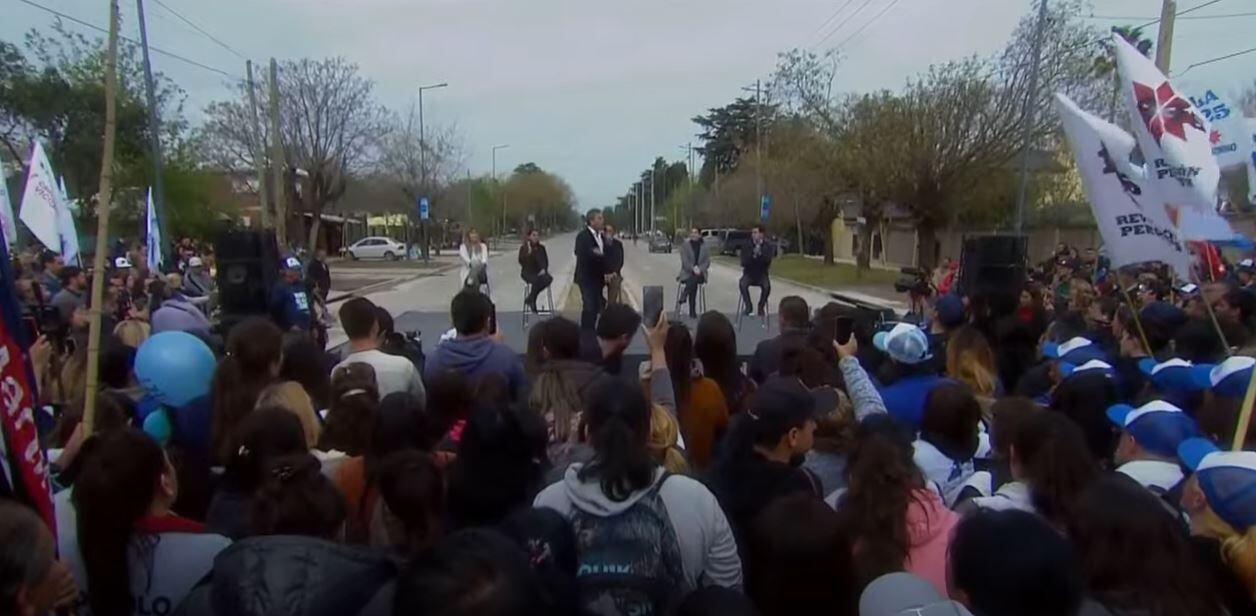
780	404
904	594
1228	479
1157	426
1247	265
1228	378
292	263
121	263
905	344
1076	351
1172	375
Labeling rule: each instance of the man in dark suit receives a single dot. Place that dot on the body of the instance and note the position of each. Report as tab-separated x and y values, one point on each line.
755	261
590	268
614	263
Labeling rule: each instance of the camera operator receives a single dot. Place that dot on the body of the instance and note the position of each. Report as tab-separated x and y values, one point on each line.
918	287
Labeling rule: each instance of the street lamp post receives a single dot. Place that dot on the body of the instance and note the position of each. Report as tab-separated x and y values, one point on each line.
502	229
423	162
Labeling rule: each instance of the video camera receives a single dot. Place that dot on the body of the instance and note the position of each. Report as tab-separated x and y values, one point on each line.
916	282
408	345
42	319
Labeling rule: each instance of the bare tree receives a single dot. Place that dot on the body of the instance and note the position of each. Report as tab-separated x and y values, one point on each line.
421	164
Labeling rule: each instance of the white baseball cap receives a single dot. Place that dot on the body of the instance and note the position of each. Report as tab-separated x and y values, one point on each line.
905	344
195	262
292	263
122	263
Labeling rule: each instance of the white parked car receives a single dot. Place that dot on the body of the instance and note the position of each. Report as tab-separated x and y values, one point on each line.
377	248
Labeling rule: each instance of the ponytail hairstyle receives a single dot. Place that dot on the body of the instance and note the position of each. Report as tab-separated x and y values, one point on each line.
115	490
1056	463
882	479
295	498
254	350
617	418
262	436
679	352
355	400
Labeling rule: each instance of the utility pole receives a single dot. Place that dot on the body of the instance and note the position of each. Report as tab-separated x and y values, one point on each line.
423	162
654	191
501	231
468	198
1164	42
259	152
1027	116
104	195
277	161
689	177
154	133
758	138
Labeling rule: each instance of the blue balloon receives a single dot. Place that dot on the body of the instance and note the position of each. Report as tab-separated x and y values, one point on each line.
157	426
175	367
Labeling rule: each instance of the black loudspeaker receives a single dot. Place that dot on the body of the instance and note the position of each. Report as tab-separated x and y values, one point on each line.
248	266
993	263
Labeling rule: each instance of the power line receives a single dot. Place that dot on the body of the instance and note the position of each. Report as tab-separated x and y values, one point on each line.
163	52
1137	17
869	23
839	26
200	29
832	16
1216	59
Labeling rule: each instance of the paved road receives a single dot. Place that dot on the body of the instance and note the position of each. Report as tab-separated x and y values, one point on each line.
433	293
643	268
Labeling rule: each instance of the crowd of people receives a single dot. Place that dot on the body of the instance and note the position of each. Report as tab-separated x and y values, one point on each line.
906	469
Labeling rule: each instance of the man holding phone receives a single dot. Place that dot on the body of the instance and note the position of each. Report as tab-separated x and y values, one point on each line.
755	261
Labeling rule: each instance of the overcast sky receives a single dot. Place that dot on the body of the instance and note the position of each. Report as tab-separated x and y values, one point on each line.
594	89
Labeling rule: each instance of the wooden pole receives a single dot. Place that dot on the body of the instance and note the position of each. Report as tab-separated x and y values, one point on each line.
1138	322
102	221
1203	297
259	150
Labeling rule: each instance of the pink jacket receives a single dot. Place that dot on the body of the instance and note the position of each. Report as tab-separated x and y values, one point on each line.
929	527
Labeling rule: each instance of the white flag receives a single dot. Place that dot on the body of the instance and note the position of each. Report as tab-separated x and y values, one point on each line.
1131	217
1231	144
7	222
65	225
39	201
154	236
1173	136
1251	163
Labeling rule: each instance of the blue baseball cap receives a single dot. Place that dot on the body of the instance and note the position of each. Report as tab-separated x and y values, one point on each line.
950	310
1228	378
1165	314
1076	351
1157	426
1095	365
905	344
1173	375
1228	479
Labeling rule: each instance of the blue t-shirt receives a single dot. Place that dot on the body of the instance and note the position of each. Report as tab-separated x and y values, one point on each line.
905	398
290	305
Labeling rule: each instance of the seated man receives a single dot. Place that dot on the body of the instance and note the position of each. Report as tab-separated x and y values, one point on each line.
474	351
755	261
695	260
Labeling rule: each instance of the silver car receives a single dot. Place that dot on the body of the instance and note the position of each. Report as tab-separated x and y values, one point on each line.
377	248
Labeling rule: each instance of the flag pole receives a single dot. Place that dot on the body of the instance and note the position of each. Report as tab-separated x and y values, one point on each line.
1138	321
1245	415
1216	324
102	221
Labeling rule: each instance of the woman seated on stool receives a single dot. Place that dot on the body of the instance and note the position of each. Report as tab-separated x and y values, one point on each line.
474	255
534	268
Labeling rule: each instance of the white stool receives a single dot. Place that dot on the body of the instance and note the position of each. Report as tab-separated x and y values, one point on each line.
701	299
542	310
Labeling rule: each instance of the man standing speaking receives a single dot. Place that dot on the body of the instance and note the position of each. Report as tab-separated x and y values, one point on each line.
590	269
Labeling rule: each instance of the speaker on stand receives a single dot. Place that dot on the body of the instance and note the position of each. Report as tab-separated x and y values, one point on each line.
248	267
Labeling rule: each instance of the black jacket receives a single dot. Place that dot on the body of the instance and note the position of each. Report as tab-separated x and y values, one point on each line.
756	267
531	263
321	275
589	267
294	576
766	360
614	255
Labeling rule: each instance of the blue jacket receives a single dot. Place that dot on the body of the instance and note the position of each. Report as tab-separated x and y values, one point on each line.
905	398
290	305
478	356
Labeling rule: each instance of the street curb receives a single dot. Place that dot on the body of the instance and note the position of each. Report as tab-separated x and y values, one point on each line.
368	289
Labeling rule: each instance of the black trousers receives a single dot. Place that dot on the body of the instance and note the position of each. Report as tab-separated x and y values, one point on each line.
691	293
765	285
539	284
591	297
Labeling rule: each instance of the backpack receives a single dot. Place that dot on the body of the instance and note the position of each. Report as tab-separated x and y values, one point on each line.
629	563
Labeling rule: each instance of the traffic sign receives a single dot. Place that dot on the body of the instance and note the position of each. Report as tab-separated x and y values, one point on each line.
424	209
765	207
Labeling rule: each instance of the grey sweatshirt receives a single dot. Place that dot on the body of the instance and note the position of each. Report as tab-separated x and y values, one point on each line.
706	542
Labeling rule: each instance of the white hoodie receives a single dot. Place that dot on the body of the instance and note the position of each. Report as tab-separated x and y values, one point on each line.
706	542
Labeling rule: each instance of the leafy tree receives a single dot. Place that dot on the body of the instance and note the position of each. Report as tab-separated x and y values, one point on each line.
727	132
1105	63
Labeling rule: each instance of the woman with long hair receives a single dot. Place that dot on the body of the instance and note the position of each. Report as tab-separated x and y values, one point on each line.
715	345
305	362
500	466
1134	555
1217	497
355	400
1050	468
1085	397
134	555
560	386
254	354
700	404
292	397
970	361
474	256
688	532
897	523
264	435
799	559
951	441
